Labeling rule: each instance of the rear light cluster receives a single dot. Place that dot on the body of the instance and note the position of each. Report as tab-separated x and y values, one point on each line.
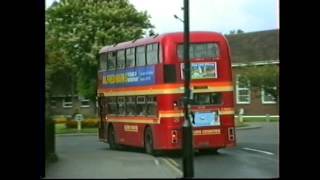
174	136
231	134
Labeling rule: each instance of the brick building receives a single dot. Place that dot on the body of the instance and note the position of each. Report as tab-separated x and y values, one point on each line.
254	49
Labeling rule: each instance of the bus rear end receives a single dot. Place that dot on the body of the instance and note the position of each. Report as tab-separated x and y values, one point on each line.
212	106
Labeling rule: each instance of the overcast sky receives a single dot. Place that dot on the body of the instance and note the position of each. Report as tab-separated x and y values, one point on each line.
211	15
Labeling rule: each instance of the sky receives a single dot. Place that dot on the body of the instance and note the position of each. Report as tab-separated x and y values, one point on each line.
210	15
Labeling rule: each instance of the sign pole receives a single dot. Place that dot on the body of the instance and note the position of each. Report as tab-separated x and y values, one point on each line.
187	139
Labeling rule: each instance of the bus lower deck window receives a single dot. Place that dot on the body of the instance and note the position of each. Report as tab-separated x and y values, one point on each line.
141	106
131	106
214	98
151	105
112	105
121	106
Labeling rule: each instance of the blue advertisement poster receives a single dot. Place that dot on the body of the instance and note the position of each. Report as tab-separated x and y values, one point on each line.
202	70
206	119
131	77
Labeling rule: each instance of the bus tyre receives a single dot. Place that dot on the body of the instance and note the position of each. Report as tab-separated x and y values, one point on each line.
209	151
111	138
148	141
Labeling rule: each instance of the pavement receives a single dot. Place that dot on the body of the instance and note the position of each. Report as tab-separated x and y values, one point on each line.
249	126
85	157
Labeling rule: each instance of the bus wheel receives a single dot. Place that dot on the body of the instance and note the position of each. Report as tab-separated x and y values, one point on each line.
111	138
209	151
148	141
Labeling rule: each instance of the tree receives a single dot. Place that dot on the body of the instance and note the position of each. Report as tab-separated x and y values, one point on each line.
239	31
233	32
75	32
266	77
151	33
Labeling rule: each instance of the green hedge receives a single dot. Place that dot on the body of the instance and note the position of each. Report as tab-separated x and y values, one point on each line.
88	123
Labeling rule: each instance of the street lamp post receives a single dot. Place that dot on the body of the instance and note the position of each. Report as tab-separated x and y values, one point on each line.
187	139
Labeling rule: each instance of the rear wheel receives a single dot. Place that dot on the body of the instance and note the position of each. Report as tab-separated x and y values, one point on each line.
111	138
148	141
208	151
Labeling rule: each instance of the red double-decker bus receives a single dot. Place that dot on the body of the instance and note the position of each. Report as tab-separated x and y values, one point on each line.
141	87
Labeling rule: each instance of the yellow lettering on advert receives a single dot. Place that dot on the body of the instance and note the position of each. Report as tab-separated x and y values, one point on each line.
110	79
120	78
206	132
130	128
196	132
211	131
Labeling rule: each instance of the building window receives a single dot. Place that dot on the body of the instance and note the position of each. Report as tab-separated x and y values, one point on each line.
152	54
242	91
53	103
267	98
67	102
84	102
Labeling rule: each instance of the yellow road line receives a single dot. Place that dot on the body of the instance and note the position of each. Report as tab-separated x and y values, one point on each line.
173	162
172	166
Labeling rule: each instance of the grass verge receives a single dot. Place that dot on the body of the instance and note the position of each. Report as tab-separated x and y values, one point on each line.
61	129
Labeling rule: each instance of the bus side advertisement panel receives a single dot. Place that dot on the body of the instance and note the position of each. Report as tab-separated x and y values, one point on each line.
138	76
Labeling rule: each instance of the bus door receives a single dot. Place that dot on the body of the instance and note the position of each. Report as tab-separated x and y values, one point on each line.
102	113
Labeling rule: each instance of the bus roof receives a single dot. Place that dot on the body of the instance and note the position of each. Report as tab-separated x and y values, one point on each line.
152	39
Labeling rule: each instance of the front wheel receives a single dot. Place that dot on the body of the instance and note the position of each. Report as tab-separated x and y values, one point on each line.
148	141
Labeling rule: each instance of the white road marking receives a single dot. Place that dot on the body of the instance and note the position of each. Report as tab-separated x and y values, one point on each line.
156	162
173	162
256	150
172	166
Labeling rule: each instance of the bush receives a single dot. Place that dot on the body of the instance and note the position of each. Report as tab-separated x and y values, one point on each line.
91	123
71	124
59	119
87	123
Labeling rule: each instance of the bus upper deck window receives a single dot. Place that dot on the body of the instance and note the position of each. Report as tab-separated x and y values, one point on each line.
152	54
120	59
130	58
140	56
200	50
111	64
103	61
213	50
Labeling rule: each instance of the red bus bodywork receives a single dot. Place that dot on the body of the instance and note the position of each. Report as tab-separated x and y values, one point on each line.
166	125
